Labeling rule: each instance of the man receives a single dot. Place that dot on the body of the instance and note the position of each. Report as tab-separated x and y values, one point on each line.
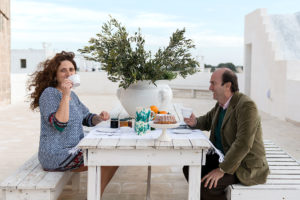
236	131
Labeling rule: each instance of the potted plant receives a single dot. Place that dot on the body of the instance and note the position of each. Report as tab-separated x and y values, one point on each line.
126	61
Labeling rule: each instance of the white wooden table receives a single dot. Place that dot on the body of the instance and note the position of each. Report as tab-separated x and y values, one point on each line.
125	148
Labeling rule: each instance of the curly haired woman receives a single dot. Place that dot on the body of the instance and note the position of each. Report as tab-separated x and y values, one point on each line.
62	117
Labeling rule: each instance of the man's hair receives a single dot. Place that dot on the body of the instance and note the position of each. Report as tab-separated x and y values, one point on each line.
230	76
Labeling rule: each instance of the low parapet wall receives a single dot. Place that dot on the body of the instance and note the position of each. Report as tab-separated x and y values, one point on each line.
98	83
292	101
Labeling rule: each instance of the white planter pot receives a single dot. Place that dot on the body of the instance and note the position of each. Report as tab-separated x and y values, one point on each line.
145	94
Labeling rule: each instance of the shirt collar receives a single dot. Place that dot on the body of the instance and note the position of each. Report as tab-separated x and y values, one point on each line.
225	106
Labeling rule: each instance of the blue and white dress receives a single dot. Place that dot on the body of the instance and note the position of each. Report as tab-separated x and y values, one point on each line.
58	139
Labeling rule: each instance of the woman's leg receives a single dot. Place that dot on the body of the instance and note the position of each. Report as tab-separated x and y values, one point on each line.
107	172
80	169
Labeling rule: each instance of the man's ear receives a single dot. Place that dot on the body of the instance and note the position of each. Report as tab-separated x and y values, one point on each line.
228	85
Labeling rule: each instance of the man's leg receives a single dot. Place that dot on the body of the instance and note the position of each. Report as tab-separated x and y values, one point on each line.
212	162
217	193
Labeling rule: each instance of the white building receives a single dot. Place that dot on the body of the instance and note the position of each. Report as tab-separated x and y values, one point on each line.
85	65
27	60
272	63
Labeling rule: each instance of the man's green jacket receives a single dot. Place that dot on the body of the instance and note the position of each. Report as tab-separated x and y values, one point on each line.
241	137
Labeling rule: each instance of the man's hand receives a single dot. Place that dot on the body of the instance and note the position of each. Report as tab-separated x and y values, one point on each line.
212	178
192	121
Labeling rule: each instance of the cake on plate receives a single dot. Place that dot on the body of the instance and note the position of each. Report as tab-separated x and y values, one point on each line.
165	119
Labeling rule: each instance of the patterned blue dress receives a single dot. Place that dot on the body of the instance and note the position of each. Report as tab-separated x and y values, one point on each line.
58	139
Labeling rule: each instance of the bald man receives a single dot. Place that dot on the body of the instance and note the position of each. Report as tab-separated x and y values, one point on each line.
235	129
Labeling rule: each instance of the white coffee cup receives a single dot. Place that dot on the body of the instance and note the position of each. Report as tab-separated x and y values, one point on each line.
75	78
186	112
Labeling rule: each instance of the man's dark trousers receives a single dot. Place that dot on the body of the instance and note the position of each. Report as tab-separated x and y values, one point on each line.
218	193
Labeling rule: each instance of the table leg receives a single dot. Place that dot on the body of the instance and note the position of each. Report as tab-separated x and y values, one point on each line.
94	183
148	183
194	182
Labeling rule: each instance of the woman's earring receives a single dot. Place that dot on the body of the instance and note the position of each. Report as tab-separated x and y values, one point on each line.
55	80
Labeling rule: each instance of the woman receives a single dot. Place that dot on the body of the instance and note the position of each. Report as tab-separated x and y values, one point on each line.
62	117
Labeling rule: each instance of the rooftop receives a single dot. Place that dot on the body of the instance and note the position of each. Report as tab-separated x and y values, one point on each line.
19	139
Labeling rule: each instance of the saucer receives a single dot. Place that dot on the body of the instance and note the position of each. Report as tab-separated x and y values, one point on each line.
106	130
182	131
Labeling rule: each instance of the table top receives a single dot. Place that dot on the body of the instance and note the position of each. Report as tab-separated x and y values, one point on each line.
103	137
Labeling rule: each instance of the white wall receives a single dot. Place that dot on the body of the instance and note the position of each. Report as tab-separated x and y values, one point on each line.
201	81
18	87
86	65
265	72
33	58
293	92
268	72
98	83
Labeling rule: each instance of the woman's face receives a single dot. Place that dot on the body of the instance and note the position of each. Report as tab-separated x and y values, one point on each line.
65	69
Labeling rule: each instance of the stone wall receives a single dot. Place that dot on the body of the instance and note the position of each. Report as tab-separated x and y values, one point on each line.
5	52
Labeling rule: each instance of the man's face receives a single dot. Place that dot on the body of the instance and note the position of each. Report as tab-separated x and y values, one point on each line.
216	86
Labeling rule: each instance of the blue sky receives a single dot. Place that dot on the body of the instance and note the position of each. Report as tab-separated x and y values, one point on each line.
215	26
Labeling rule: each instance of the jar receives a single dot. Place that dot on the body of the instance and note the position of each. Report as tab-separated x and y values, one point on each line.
114	123
130	122
126	122
123	122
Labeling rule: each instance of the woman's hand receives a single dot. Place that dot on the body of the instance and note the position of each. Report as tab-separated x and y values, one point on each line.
192	121
103	116
62	113
66	86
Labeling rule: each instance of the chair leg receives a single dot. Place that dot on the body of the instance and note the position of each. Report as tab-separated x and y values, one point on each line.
148	183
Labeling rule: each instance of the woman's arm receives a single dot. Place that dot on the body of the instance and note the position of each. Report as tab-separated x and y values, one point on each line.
62	114
103	116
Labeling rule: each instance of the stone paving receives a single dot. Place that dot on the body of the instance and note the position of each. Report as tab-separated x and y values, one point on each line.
19	140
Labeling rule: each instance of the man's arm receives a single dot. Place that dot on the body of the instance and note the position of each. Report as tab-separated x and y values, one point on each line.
247	124
205	122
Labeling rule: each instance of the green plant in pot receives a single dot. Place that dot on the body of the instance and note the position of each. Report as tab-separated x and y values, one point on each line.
126	61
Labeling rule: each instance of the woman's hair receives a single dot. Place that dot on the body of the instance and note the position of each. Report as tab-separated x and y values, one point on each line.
45	76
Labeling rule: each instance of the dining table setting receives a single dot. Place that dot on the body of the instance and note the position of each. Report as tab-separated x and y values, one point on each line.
124	146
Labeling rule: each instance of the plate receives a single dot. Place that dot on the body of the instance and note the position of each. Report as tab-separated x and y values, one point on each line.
182	131
107	130
164	125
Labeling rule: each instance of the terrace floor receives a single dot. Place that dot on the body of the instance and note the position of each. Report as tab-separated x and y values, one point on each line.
19	140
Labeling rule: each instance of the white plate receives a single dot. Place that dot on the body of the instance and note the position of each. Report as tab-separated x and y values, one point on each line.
182	131
107	130
163	125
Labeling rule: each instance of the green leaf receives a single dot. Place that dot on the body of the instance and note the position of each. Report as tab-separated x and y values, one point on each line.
126	61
